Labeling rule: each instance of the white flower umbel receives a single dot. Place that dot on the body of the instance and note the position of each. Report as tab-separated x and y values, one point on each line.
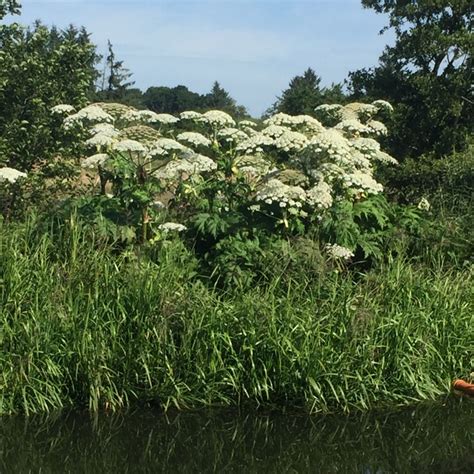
248	123
166	119
377	128
91	114
329	145
194	138
424	205
143	116
320	196
94	161
291	142
131	146
275	131
232	135
371	148
338	252
255	144
283	195
190	115
362	182
353	128
185	168
101	140
105	128
172	227
358	111
11	175
217	119
167	147
62	109
383	105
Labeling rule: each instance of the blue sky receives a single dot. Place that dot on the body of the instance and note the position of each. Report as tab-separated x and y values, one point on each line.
252	47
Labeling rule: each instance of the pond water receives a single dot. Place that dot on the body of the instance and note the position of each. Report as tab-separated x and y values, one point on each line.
424	439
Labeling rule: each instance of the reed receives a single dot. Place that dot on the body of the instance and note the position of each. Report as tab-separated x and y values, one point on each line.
84	325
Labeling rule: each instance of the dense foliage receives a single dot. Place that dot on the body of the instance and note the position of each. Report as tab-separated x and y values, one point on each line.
427	73
187	255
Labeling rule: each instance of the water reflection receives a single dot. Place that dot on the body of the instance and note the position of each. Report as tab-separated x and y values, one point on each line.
429	439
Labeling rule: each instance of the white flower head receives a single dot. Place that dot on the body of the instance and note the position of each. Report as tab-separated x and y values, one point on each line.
248	123
190	115
131	146
383	105
218	119
290	141
62	109
424	204
185	167
100	140
105	128
11	175
362	182
94	161
377	128
171	227
230	134
168	146
320	195
91	113
284	195
255	144
338	252
166	119
194	138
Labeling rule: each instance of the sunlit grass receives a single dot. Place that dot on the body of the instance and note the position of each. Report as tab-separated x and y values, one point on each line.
81	325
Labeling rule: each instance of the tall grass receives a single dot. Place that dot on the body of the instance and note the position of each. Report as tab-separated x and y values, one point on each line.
83	325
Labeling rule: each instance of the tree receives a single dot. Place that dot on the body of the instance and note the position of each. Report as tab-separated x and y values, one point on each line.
114	78
11	7
427	74
40	68
304	94
172	100
219	99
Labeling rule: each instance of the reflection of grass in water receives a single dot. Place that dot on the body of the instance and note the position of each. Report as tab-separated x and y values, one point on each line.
83	326
421	439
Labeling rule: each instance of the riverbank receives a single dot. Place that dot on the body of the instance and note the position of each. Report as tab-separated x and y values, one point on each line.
83	325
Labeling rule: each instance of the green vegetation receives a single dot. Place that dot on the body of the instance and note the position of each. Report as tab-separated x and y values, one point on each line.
207	259
82	325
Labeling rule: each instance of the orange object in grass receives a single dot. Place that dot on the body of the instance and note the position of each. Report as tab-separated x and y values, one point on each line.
465	387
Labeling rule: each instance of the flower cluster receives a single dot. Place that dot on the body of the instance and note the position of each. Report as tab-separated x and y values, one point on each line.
130	146
290	141
190	115
232	135
320	195
94	161
171	227
167	147
90	114
383	105
361	182
62	109
284	195
184	168
338	252
11	175
193	138
371	148
217	119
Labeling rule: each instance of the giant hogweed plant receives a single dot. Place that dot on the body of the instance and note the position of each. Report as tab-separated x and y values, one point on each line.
214	177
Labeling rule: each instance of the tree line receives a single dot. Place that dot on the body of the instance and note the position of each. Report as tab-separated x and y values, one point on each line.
426	74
